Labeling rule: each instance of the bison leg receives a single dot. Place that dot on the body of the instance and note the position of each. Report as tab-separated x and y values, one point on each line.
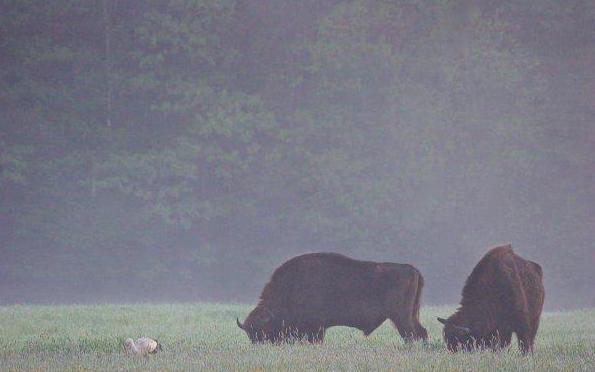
314	335
504	338
420	332
405	326
525	345
404	305
526	341
525	335
409	328
531	333
495	341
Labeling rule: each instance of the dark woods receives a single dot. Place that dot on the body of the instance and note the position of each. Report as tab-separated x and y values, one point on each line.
180	150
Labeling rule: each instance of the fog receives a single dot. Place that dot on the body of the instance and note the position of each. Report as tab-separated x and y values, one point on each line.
181	150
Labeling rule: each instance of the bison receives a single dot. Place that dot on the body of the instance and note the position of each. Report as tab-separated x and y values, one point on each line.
312	292
503	294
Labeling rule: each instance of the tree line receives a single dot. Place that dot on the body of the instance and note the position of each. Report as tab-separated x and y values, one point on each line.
186	147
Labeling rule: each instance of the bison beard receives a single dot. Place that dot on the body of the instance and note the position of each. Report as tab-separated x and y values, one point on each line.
310	293
503	294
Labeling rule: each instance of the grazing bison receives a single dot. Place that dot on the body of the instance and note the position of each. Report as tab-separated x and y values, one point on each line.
503	294
310	293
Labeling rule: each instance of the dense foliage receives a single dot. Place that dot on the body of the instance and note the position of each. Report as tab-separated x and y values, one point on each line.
186	147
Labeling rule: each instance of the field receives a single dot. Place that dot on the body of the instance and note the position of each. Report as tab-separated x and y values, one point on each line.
205	337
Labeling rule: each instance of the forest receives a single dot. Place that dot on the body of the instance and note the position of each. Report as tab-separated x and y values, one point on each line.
180	150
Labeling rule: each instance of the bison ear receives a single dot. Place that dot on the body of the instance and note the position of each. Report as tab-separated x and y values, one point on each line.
464	329
262	321
239	324
442	320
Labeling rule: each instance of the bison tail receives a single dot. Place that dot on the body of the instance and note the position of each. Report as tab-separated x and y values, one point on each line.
421	332
417	303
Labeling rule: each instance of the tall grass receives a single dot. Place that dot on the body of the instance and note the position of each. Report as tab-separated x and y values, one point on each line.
205	337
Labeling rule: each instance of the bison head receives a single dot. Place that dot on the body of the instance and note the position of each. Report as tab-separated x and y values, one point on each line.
259	325
457	336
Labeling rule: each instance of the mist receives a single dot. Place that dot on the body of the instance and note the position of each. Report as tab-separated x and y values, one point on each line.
181	150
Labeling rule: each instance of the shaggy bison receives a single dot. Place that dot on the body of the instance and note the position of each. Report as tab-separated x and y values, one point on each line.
310	293
503	294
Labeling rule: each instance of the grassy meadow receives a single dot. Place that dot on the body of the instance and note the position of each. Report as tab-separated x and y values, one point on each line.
205	337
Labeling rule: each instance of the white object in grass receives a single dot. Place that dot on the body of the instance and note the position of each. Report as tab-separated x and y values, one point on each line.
142	346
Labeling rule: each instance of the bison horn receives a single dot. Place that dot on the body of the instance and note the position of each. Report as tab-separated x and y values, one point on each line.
239	324
460	328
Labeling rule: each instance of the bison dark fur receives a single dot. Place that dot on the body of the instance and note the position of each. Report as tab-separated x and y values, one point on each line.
310	293
503	294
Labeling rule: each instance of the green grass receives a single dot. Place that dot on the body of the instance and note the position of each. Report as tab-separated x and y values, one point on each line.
205	337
